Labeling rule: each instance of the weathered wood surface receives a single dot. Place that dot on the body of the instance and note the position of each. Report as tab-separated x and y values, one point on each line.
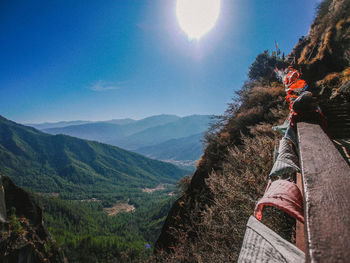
300	241
326	182
343	146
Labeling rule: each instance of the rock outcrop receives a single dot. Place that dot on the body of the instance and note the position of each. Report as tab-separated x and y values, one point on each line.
23	237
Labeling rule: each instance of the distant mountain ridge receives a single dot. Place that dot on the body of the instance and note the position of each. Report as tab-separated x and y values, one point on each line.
74	167
61	124
105	131
180	128
184	150
150	132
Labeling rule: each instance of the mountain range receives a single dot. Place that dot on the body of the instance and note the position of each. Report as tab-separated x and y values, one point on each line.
183	151
76	168
77	182
163	137
60	124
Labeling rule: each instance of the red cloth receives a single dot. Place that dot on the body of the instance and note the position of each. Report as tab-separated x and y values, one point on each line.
294	91
291	77
284	195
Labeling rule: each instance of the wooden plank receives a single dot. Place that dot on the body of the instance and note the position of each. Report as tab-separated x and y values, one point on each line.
300	241
326	182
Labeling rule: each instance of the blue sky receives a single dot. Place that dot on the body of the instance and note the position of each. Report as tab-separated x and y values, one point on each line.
99	60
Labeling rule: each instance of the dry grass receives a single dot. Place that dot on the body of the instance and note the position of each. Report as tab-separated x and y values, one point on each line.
219	228
327	47
346	74
333	81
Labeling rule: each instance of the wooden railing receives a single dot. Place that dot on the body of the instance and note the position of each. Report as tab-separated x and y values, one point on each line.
326	188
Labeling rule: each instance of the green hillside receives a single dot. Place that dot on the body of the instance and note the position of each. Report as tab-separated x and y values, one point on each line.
75	168
163	137
87	234
91	176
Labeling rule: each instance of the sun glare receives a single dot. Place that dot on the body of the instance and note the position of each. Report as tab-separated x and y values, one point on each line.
197	17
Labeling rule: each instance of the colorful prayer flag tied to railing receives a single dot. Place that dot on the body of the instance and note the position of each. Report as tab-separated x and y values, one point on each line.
284	195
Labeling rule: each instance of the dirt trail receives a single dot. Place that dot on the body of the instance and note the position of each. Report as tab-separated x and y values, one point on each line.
118	208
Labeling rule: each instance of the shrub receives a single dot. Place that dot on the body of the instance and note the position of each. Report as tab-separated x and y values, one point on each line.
219	228
322	8
263	66
15	224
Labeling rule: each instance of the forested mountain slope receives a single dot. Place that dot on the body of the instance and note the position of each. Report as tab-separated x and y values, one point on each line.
92	177
74	167
148	135
211	215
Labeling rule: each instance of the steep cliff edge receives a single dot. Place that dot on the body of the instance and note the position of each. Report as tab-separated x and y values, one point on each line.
208	220
23	236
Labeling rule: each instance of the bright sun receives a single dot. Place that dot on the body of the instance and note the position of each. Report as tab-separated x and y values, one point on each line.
197	17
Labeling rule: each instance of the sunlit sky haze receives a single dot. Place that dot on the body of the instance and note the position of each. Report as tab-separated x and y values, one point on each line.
197	17
99	60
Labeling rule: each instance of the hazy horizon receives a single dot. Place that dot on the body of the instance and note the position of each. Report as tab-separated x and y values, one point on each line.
122	118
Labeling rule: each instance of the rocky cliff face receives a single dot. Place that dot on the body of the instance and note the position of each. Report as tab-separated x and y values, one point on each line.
233	158
324	58
326	49
23	236
324	55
